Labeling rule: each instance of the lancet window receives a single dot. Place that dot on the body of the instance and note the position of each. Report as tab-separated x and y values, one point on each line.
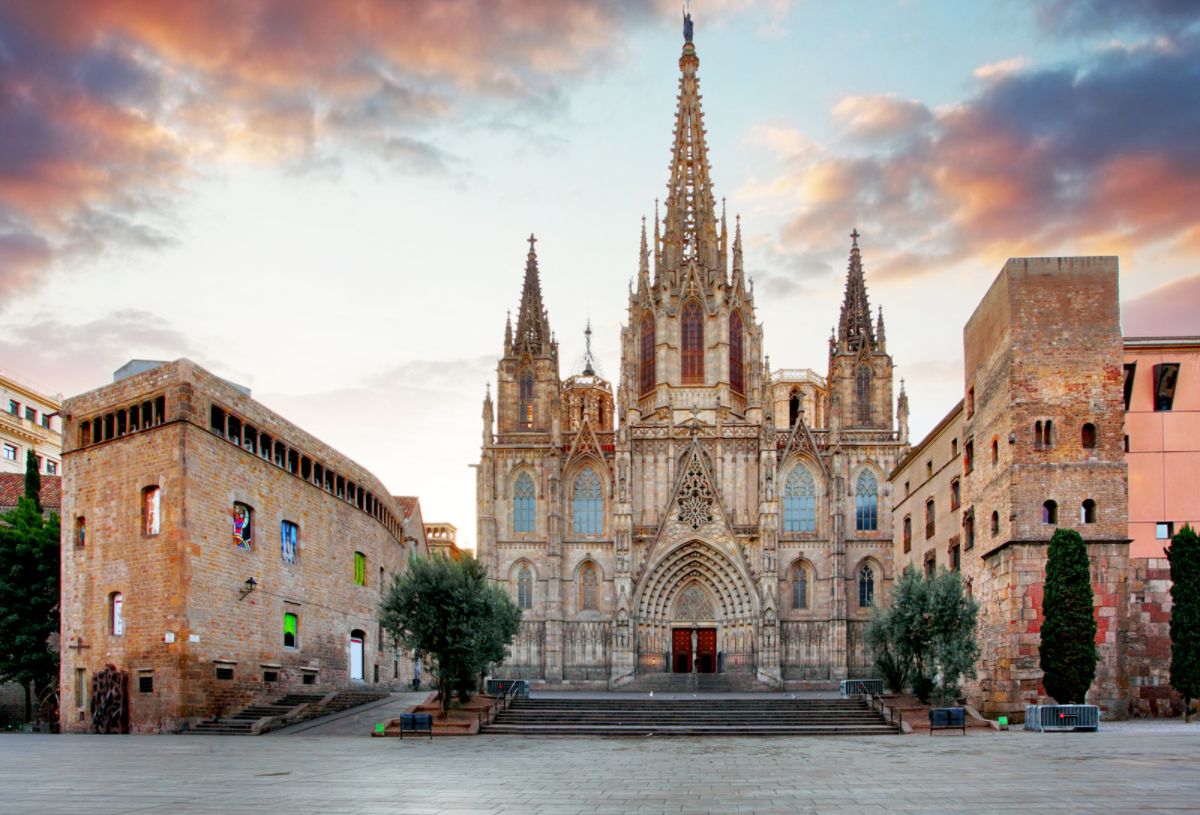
737	365
588	504
523	503
646	372
692	346
799	501
866	502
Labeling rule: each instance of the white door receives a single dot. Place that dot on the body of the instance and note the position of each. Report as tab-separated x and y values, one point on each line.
356	658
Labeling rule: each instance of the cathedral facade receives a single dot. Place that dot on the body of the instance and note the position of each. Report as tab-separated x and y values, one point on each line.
711	515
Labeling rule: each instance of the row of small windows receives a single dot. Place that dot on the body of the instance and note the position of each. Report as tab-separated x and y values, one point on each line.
12	452
31	413
1087	515
691	349
800	583
234	429
123	421
1087	512
800	501
1165	382
1044	435
587	499
589	587
242	528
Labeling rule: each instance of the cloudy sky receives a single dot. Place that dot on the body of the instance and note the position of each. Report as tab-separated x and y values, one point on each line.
328	201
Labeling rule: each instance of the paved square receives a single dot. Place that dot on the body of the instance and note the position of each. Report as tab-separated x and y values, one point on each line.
1128	768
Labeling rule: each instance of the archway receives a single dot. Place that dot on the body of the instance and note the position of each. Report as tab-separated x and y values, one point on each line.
695	600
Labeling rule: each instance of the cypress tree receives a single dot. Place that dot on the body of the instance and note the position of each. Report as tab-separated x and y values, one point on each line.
1068	650
33	480
1184	555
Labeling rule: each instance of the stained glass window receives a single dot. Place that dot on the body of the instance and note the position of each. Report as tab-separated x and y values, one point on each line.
692	347
646	375
866	587
588	588
589	504
737	368
799	501
866	502
525	588
523	504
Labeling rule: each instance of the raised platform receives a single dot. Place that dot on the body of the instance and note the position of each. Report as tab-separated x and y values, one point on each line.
715	715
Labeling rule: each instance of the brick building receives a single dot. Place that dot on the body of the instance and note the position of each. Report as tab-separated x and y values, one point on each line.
1067	456
216	553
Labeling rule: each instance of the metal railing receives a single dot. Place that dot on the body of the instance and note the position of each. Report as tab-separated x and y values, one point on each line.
861	687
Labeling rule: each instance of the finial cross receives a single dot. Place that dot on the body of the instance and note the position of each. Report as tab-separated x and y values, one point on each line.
532	241
854	236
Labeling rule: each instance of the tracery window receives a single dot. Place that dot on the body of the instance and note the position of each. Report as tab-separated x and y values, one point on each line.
866	587
799	587
862	394
692	345
866	502
525	588
523	503
588	504
588	588
799	501
525	415
646	373
737	367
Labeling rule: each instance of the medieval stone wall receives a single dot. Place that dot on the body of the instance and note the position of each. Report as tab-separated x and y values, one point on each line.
185	615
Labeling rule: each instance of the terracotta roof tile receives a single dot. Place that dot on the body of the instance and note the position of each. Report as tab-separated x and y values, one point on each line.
408	503
12	487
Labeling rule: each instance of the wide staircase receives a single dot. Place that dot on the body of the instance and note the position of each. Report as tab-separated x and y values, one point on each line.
242	722
695	683
712	716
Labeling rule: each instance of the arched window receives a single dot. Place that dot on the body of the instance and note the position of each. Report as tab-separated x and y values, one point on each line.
1048	434
1050	512
799	501
525	414
116	614
799	587
1037	434
523	503
525	588
151	510
1087	512
995	451
862	394
692	345
794	409
1088	436
358	641
646	374
737	368
290	630
995	523
588	588
866	516
866	587
588	504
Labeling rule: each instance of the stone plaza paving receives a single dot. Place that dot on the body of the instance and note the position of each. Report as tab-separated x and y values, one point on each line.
1130	767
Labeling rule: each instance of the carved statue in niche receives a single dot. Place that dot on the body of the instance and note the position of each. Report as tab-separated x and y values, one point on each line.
621	482
770	488
622	629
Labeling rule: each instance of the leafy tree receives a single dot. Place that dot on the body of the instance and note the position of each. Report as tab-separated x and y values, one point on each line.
448	610
28	598
33	479
1184	555
1068	650
926	635
880	640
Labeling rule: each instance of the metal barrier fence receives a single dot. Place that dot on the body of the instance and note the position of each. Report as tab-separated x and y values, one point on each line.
1062	718
861	687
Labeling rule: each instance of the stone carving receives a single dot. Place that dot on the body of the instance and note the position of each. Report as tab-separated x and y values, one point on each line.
693	604
695	496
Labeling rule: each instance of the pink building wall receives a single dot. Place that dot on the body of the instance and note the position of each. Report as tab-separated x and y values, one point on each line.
1164	446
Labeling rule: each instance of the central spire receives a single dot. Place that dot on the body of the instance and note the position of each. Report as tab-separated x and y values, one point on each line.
854	327
533	326
691	225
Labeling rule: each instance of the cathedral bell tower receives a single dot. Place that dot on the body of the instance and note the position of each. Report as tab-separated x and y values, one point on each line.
860	369
528	383
691	341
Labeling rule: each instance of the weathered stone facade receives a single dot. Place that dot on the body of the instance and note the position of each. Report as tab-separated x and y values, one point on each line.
711	495
153	468
1040	437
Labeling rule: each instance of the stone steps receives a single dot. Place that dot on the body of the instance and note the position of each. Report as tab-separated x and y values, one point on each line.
242	722
712	716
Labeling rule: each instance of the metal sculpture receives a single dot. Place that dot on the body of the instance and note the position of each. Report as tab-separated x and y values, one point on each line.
110	712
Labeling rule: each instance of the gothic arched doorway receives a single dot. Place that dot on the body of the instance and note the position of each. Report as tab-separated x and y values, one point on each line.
693	607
